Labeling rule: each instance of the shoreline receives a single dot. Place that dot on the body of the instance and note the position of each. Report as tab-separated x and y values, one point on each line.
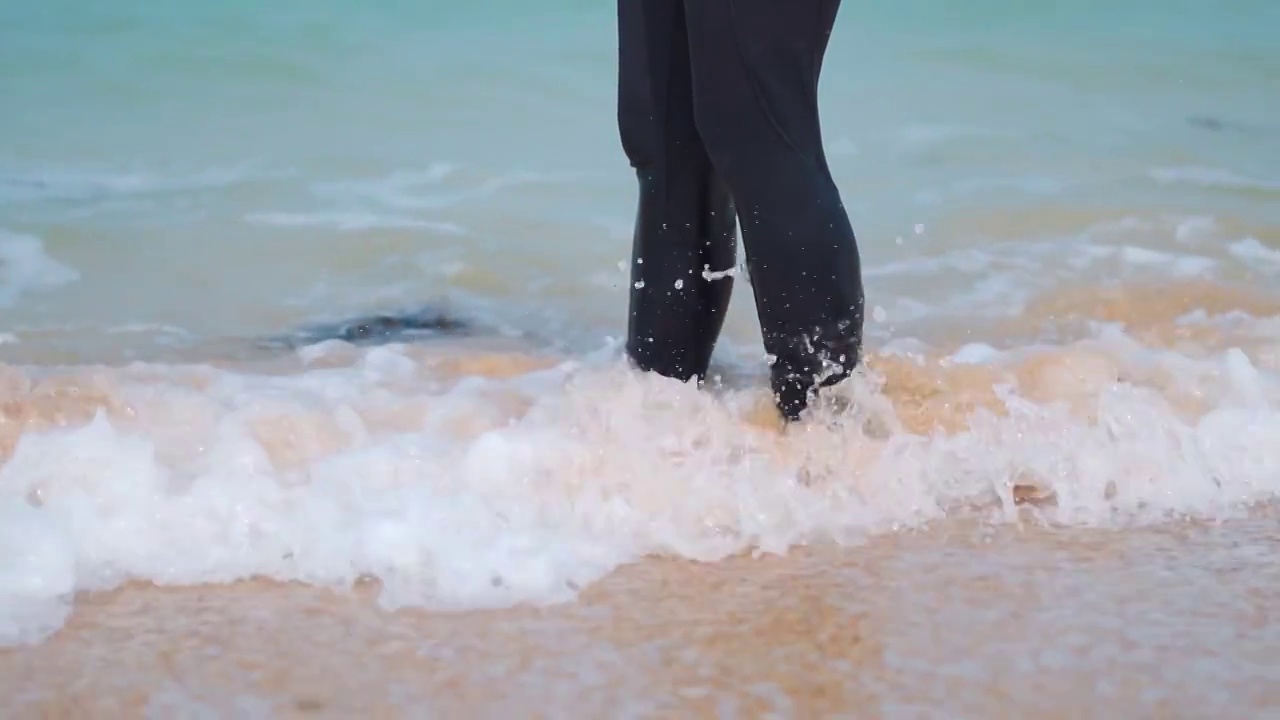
866	631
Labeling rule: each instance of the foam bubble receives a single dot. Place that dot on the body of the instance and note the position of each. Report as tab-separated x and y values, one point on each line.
25	267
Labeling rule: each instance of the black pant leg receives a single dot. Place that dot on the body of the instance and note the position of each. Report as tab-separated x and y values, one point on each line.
756	65
685	222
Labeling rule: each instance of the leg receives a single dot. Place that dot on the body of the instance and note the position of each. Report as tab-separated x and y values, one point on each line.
685	221
756	65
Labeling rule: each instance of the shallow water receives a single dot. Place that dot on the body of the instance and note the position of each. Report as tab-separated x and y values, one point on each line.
1053	487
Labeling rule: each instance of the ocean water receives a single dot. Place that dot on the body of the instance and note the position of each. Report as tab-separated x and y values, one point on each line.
1069	219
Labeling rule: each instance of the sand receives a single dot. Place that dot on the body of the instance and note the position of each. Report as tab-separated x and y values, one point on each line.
954	621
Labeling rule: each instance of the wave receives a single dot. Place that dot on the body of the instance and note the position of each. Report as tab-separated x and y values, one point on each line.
349	221
1208	177
460	477
88	185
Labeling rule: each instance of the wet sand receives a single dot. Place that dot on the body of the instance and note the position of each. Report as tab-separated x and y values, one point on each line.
954	621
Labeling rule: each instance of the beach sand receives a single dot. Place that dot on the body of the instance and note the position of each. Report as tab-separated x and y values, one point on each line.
955	621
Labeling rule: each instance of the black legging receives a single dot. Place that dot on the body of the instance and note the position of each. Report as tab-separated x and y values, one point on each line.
717	107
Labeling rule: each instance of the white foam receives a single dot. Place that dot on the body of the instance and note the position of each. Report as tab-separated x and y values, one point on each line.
427	190
1195	228
1249	249
489	491
142	327
25	267
1178	265
1211	177
928	135
975	354
997	279
351	221
83	184
37	574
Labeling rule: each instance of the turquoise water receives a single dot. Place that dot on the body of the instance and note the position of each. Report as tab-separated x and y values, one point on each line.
181	180
229	168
